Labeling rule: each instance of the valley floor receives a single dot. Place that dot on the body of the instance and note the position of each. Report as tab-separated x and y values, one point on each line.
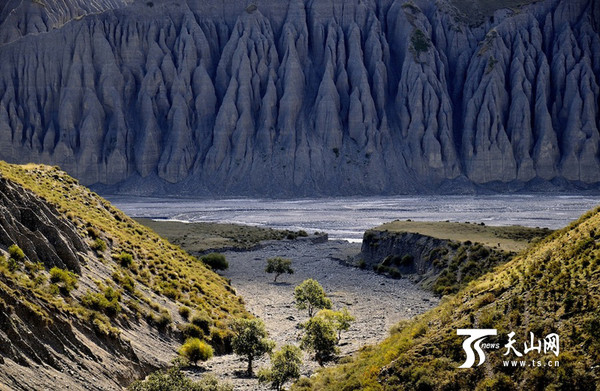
377	302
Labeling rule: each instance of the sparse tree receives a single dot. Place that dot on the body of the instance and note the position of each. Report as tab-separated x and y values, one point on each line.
250	340
279	266
195	350
320	338
285	365
340	320
310	295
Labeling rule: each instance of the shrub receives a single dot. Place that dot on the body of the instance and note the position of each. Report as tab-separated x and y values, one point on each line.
16	253
499	382
203	321
99	245
394	273
379	269
195	350
419	331
12	264
170	292
107	301
174	379
216	261
163	320
125	281
64	279
285	365
101	324
406	260
310	295
250	340
184	312
221	340
34	268
125	259
279	266
303	383
53	289
209	382
419	41
192	331
92	232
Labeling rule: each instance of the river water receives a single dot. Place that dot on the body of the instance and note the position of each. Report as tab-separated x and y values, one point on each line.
348	218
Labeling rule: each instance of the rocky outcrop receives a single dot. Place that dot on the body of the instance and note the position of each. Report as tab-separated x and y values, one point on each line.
408	252
301	97
42	346
38	229
22	17
442	265
53	352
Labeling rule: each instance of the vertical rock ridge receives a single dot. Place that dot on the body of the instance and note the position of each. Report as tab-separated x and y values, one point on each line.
301	97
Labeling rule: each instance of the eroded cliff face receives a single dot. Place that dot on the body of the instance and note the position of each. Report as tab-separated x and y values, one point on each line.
42	346
301	97
38	229
90	299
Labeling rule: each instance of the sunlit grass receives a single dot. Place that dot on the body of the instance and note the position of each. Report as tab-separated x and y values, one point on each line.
141	263
553	287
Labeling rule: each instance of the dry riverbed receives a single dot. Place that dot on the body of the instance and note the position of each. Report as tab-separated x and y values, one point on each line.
377	302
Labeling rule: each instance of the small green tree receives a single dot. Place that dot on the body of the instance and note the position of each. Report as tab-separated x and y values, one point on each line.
250	340
310	295
340	320
279	266
195	350
285	365
320	338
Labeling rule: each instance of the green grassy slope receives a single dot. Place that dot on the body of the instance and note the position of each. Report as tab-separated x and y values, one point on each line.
200	237
131	283
157	264
553	287
506	238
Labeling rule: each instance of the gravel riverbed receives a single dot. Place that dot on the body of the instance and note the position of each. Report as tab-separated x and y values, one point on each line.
376	301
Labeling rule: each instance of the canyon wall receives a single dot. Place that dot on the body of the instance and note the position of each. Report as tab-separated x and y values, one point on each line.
302	97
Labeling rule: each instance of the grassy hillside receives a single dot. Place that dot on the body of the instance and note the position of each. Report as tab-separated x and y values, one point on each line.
126	282
443	256
506	238
201	237
554	287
